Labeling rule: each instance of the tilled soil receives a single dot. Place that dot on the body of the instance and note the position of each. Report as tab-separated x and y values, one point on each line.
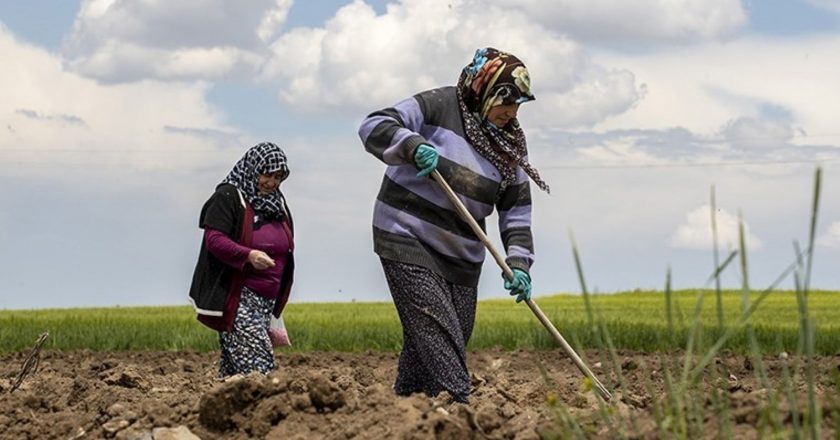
517	395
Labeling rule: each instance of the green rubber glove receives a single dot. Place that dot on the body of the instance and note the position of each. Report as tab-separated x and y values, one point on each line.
426	158
519	285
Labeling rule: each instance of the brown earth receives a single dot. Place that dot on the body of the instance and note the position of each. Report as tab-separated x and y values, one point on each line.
517	395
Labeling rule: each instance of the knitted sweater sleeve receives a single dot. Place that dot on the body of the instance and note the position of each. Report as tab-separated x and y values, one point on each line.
392	134
514	209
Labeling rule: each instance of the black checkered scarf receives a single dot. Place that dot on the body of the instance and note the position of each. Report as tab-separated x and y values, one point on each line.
496	78
263	158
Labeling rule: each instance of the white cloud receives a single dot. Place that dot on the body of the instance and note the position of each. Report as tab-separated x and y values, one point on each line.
274	19
831	238
642	20
136	39
620	149
701	87
760	146
66	127
360	61
696	231
123	62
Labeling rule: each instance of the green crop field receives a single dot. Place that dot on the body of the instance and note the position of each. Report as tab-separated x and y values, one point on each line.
634	320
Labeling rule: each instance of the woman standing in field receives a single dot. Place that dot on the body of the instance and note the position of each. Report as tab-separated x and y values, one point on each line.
431	258
245	266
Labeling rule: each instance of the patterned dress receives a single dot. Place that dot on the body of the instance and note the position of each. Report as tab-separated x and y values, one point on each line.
247	347
437	319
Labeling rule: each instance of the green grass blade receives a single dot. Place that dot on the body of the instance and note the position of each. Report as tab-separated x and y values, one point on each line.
713	212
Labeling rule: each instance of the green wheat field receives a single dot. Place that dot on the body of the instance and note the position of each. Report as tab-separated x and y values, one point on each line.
635	320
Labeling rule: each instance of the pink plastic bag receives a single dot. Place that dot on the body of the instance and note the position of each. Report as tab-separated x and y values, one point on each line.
278	334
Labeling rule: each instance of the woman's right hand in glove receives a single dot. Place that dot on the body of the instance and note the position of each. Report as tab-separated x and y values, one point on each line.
426	158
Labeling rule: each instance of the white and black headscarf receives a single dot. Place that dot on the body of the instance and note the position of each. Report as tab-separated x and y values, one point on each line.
263	158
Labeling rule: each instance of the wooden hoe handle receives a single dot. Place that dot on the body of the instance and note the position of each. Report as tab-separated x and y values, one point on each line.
467	217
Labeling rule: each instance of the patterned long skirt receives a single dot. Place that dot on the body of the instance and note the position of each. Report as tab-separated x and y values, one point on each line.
437	319
247	347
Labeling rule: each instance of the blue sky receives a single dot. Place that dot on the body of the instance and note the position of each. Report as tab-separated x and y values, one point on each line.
118	117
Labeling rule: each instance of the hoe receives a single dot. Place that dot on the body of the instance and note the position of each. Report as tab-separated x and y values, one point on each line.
467	217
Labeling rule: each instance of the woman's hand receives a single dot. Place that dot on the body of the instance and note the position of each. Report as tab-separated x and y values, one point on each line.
519	285
426	159
260	260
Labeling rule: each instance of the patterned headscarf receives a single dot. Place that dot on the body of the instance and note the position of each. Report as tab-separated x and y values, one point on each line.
263	158
496	78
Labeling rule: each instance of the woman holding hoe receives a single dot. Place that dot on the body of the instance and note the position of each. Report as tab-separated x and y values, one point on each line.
245	266
431	258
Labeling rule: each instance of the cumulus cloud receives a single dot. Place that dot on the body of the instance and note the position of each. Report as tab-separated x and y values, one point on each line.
781	81
750	132
643	20
696	231
119	41
60	124
360	60
831	238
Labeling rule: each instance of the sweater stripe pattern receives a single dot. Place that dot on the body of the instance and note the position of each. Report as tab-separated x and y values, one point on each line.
413	221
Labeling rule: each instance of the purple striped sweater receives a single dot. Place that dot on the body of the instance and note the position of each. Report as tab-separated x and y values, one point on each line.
413	221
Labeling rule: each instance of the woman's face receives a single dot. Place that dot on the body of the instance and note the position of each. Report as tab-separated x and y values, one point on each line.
267	183
500	115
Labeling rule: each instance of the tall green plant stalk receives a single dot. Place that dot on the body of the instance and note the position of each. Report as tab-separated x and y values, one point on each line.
722	404
615	364
745	279
676	405
805	347
669	307
813	408
672	408
713	209
593	326
815	207
722	267
755	352
695	328
790	392
584	290
801	300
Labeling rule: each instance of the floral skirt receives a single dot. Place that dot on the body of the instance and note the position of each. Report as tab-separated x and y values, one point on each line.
437	318
247	347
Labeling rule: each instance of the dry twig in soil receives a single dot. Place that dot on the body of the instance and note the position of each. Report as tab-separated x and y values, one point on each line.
31	363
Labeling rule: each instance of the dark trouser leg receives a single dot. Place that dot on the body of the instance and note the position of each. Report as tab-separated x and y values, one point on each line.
248	347
434	342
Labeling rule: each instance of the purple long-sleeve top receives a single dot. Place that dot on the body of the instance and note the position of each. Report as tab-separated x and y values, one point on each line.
272	238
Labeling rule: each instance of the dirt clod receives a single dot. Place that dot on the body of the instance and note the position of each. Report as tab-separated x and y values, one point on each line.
126	377
325	395
217	408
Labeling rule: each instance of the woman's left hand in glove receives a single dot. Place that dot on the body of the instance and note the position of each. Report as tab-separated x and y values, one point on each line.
519	285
